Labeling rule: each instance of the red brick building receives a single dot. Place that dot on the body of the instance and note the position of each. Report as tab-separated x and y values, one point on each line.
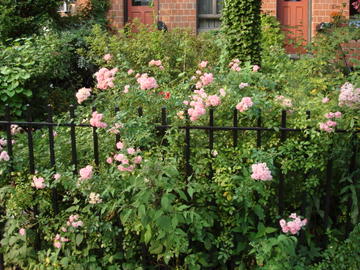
202	15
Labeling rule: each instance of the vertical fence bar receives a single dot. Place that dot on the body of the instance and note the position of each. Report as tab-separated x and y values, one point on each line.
30	140
187	147
211	140
304	201
163	123
281	178
258	133
74	161
32	169
117	135
304	194
9	136
140	112
352	166
95	143
329	167
235	124
54	195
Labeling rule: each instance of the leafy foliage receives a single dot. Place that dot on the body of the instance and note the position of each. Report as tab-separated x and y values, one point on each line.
241	25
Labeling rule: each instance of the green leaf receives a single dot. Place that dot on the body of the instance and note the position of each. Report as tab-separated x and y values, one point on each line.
190	191
147	235
79	238
165	203
164	223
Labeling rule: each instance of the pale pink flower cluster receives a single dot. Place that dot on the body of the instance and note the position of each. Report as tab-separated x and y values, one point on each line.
200	101
126	89
83	94
107	57
180	114
222	92
105	78
203	64
15	129
260	171
116	128
244	104
130	71
325	100
206	79
349	95
74	221
57	176
146	82
86	173
294	225
94	198
95	120
255	68
243	85
58	240
235	65
156	63
285	102
22	231
328	126
213	100
38	182
4	156
127	157
332	115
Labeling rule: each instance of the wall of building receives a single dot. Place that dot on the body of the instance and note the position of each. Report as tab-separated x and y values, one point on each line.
323	9
269	7
182	13
116	14
178	14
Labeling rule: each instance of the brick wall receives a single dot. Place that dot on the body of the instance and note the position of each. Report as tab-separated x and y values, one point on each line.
322	9
269	6
116	14
178	14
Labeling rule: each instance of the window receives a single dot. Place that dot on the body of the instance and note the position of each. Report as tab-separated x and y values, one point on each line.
209	14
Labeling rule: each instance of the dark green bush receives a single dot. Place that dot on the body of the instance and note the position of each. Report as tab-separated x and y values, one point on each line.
241	27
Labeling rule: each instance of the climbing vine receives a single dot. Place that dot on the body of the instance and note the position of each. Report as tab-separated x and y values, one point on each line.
241	26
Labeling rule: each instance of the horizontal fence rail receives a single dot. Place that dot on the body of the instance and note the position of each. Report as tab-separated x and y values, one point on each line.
283	131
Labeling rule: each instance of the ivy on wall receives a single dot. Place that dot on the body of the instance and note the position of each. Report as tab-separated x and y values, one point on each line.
241	25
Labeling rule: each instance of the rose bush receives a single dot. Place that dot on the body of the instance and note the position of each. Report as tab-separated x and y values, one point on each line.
139	210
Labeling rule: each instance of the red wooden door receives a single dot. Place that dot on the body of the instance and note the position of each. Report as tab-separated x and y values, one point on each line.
142	10
293	16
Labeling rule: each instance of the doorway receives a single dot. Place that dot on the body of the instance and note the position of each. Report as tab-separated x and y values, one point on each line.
294	18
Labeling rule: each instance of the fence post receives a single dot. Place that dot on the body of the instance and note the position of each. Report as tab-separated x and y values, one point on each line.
117	135
258	133
281	178
211	140
95	143
235	124
187	147
9	136
73	139
352	166
30	140
52	157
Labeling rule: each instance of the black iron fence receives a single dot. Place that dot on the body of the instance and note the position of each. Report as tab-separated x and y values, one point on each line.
29	126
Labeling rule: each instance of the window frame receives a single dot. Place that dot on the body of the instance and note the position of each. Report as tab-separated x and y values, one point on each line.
213	15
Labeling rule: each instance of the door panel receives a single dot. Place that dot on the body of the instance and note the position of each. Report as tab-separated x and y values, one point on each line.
142	10
293	16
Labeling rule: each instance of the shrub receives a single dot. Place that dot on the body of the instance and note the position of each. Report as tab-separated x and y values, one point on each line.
242	31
